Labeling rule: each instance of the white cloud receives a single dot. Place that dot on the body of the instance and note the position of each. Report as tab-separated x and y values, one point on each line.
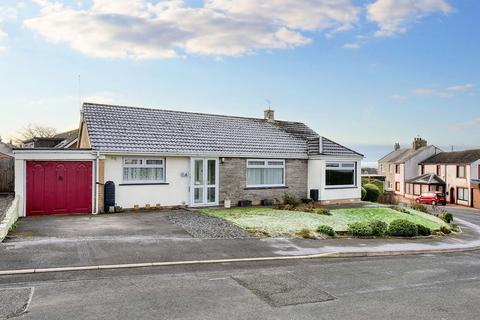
102	98
465	87
143	29
448	92
351	46
433	92
393	16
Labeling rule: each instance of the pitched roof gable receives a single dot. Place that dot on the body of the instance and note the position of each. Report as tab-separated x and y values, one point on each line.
402	155
141	130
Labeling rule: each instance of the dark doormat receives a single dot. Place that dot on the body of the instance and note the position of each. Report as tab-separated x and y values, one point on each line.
14	301
282	289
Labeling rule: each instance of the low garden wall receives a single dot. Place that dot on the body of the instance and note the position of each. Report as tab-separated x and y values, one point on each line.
9	219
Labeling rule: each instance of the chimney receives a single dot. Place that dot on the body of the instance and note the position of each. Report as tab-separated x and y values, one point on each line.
269	115
396	146
419	143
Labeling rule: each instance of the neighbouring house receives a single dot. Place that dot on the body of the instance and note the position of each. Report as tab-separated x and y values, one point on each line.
369	171
7	163
144	157
460	174
401	164
64	140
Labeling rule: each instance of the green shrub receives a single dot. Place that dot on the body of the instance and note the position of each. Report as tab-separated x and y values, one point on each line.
423	231
379	228
364	193
373	192
401	209
360	229
388	197
402	228
377	182
419	207
446	216
290	199
323	211
324	229
305	233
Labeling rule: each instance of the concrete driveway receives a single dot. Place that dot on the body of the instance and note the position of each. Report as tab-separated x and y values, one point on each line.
106	226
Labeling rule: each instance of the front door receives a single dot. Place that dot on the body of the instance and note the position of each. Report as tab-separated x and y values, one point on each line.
204	182
452	195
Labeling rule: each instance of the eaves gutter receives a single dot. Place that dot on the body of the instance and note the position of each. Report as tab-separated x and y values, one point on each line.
205	155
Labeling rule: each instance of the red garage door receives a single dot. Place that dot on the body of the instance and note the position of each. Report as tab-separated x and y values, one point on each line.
59	187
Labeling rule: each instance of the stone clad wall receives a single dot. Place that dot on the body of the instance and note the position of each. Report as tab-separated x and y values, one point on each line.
233	182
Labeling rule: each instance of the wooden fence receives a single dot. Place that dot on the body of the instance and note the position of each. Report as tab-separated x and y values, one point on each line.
7	174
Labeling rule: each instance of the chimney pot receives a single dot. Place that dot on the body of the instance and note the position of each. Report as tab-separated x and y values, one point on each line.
269	115
396	146
419	143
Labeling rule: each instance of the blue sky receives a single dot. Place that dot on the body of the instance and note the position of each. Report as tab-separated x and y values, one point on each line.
364	73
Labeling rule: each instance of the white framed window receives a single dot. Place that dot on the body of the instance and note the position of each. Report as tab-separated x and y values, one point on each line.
340	174
143	170
462	194
265	173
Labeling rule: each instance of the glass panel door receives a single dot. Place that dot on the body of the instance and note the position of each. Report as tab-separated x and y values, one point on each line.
204	181
198	180
211	181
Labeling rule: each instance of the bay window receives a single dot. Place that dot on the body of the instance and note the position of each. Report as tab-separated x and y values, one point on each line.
265	173
340	174
144	170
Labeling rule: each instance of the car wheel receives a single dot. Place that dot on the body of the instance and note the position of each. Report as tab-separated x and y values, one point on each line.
417	201
434	203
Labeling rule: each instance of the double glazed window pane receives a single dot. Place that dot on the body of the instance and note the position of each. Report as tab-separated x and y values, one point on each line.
264	176
340	177
143	170
198	175
211	172
143	174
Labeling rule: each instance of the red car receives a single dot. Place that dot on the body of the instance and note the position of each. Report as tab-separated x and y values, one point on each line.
432	197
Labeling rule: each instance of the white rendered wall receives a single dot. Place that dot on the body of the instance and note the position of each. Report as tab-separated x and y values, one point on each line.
175	192
316	180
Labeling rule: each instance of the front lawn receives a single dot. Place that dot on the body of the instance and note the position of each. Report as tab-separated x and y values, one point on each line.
282	222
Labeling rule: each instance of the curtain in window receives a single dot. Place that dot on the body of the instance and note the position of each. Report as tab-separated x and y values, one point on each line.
143	174
264	176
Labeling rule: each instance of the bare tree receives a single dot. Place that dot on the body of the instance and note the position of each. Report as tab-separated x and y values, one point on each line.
35	131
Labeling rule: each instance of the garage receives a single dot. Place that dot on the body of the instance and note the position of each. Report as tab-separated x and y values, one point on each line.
58	187
56	181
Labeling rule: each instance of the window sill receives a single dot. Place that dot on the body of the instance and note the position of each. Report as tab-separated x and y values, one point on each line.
265	187
144	184
340	187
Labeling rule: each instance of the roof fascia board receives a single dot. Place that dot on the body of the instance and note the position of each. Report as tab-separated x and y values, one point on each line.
205	155
335	157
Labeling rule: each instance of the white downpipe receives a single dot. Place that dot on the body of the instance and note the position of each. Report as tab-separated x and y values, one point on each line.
97	182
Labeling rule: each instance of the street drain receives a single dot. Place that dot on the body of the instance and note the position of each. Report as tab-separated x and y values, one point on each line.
282	289
14	301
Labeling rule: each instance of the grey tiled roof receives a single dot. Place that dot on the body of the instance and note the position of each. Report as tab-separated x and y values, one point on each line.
456	157
401	155
131	129
429	179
